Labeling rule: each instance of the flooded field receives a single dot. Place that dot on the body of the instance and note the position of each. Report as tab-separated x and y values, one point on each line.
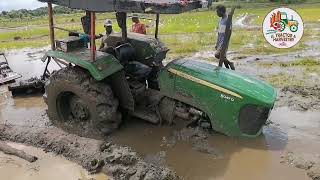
191	153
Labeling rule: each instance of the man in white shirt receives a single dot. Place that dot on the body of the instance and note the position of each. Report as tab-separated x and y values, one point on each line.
109	30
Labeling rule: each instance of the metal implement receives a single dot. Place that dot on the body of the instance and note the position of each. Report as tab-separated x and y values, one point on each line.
6	73
33	85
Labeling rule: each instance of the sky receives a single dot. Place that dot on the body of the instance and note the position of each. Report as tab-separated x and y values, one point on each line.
7	5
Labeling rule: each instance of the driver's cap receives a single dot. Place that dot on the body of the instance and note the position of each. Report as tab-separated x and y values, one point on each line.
108	22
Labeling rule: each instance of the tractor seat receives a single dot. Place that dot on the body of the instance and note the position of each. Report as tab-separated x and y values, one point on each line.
125	53
137	70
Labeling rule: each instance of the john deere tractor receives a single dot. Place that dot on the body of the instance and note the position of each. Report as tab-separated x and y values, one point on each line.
94	92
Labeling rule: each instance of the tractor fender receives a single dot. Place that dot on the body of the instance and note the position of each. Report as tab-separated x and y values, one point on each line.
102	67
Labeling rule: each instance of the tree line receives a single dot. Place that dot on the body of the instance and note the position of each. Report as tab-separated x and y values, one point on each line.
21	13
65	10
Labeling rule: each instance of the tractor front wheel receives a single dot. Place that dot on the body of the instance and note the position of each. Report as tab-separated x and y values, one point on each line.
293	28
79	104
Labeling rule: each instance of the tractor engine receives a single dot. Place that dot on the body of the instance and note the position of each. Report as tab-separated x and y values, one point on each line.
171	110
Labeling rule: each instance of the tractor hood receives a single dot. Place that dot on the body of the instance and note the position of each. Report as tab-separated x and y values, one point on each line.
230	83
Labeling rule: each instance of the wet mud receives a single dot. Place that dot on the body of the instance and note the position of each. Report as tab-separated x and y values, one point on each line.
300	98
116	161
308	162
48	166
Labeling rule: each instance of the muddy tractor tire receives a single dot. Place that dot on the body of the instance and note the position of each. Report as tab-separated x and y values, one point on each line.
79	104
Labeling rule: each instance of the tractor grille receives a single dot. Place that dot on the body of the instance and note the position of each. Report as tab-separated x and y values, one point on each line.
252	118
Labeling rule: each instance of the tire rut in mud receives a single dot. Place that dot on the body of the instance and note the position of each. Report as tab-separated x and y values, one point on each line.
94	155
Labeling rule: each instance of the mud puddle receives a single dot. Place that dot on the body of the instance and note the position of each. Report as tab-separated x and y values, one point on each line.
27	62
48	166
230	158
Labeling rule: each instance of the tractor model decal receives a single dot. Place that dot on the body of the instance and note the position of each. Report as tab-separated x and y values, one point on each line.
205	83
283	28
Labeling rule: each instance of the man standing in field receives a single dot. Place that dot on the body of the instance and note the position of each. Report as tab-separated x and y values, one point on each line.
137	26
224	34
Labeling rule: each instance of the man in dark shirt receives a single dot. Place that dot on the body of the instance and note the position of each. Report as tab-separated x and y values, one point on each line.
224	34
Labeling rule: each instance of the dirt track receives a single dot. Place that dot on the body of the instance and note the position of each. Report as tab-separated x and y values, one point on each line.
94	155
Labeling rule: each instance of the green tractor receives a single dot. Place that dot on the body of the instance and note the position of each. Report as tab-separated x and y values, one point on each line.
292	24
95	91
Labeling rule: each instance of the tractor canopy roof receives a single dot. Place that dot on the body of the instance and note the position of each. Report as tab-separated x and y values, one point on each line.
132	6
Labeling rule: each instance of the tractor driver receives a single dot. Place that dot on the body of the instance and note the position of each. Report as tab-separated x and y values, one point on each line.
137	26
109	30
224	33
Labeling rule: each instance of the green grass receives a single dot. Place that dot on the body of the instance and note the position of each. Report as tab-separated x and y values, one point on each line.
43	20
183	33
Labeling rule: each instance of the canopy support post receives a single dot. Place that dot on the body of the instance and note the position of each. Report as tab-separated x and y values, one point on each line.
51	30
93	35
157	25
122	22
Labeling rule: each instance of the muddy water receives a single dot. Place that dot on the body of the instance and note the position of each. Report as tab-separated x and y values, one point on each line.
24	110
28	62
236	158
48	166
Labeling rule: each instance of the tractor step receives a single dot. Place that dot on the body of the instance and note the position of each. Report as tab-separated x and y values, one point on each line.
146	114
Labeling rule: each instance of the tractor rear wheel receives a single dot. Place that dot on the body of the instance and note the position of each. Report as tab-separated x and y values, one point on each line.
282	26
79	104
